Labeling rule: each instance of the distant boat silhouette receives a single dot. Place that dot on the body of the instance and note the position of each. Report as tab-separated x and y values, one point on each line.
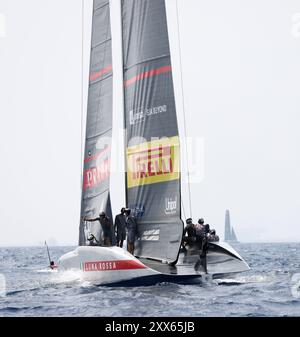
230	235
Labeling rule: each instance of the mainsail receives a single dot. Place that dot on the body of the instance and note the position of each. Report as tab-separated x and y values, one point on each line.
152	142
96	172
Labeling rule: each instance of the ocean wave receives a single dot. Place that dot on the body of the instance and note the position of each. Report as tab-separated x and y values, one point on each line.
35	290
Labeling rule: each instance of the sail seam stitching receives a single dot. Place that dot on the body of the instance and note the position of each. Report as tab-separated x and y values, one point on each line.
96	195
102	6
99	134
100	43
100	79
145	61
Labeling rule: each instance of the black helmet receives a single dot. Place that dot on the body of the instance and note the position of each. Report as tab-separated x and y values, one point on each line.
189	220
128	211
201	220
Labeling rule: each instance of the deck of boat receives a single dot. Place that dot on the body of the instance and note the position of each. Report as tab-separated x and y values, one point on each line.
182	267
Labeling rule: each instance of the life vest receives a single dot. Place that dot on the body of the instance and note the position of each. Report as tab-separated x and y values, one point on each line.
199	229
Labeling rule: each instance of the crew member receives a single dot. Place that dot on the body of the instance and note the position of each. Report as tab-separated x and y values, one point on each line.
131	231
200	227
190	230
106	226
120	227
212	236
202	240
92	240
53	265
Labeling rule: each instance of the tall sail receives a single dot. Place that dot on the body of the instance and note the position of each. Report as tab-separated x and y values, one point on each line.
152	154
96	172
230	235
227	226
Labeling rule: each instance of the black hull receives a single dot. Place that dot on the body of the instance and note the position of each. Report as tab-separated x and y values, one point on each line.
152	280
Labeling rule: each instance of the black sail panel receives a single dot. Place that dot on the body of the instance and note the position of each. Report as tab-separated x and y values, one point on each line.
152	141
97	156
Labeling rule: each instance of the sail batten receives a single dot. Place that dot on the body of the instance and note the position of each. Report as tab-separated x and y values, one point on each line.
100	3
148	60
152	141
97	195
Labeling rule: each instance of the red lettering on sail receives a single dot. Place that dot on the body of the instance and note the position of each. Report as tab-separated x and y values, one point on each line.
153	162
157	162
94	176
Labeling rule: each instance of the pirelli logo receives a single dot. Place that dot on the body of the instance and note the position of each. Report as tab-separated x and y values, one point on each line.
99	172
153	162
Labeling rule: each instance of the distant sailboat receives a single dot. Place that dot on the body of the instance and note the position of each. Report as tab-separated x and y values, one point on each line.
230	235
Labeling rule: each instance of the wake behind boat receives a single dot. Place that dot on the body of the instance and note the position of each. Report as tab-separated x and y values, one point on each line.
153	160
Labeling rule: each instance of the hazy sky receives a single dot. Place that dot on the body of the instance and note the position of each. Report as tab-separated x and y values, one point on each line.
241	76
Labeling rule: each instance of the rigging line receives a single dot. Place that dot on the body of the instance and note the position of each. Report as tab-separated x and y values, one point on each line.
81	228
183	209
82	94
184	116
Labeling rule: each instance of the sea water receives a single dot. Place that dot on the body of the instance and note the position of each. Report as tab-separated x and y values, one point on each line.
270	288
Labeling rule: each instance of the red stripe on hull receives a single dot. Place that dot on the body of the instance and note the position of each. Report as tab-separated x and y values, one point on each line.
112	265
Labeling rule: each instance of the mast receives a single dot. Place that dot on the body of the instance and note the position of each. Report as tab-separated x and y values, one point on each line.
97	154
152	140
124	100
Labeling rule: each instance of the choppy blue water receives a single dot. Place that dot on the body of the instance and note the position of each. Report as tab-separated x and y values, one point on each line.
269	289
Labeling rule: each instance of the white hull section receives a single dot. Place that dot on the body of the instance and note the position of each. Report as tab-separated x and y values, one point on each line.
104	265
224	260
114	265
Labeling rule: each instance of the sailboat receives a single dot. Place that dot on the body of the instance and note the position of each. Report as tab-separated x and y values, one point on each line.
153	162
230	235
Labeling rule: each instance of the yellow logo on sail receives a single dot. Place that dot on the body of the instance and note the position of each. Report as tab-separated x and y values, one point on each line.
153	162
